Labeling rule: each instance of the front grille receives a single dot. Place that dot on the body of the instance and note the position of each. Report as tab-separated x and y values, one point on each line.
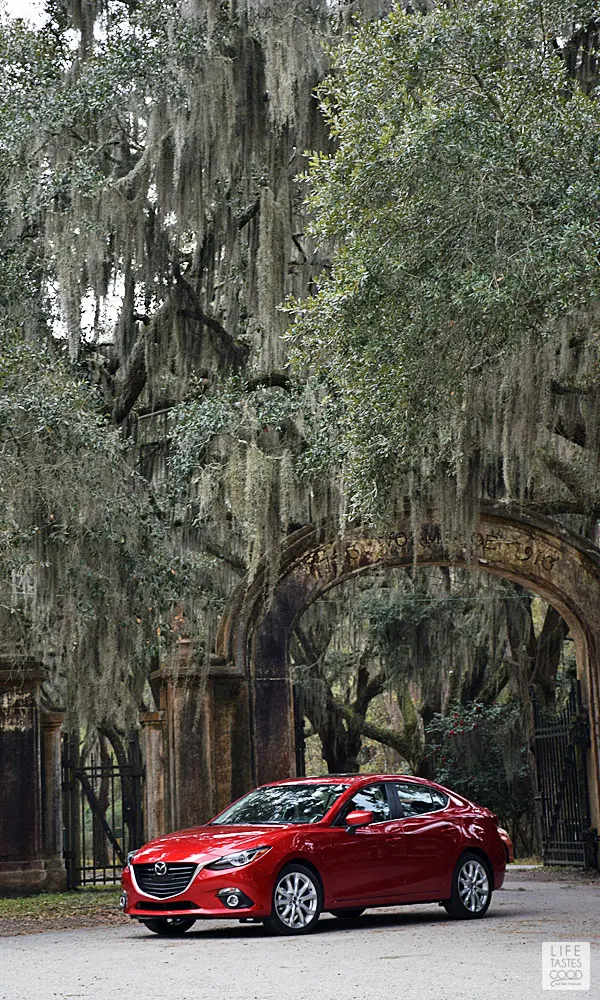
176	880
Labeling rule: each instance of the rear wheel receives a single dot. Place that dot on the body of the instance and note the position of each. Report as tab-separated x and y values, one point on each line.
169	926
350	913
297	901
471	888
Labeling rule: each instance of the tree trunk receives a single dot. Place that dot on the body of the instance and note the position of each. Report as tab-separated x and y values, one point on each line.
547	655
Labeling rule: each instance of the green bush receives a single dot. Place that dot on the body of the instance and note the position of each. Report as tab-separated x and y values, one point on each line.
481	752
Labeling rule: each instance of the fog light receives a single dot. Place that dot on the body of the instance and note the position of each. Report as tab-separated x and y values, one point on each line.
234	898
122	900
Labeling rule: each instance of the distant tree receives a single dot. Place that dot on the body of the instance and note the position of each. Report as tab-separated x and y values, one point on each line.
378	660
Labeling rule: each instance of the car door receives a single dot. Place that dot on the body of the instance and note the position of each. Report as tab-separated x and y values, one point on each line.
430	839
359	862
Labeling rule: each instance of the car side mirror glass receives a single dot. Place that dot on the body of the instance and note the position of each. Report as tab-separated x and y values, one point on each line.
359	817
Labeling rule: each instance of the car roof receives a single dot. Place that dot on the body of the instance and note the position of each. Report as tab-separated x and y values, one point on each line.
334	779
358	780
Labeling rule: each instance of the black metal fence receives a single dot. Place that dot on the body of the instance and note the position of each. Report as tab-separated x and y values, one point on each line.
102	809
561	741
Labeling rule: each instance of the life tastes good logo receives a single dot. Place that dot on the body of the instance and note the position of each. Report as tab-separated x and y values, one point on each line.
565	965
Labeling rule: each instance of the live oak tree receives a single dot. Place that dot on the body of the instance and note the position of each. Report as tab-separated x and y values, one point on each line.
455	333
89	575
456	330
151	223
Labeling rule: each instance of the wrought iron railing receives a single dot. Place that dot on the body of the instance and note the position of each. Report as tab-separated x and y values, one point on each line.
102	810
561	741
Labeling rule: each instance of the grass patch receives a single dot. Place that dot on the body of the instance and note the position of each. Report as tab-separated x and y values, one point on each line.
80	903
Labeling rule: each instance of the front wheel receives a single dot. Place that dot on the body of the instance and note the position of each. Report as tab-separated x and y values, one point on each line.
350	913
169	926
297	901
471	888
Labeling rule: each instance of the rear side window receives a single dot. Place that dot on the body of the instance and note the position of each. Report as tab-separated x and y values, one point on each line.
415	800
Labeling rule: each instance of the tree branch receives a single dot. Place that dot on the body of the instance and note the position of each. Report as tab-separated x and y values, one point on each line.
221	339
381	734
575	481
249	214
130	380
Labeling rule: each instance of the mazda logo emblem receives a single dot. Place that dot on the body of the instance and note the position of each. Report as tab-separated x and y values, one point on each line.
160	868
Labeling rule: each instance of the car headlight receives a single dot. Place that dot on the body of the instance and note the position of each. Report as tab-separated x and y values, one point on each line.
131	856
237	860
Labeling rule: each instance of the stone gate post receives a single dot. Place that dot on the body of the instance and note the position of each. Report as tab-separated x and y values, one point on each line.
185	702
198	744
154	758
52	814
231	742
30	785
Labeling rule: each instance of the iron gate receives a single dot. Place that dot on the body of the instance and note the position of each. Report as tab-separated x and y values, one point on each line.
561	740
102	809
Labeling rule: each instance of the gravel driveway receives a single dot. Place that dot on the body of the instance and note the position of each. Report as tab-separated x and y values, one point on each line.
408	952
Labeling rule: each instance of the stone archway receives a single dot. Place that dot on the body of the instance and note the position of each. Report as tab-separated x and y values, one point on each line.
254	636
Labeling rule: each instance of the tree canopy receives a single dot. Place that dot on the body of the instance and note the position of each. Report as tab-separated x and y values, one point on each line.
151	222
149	226
456	330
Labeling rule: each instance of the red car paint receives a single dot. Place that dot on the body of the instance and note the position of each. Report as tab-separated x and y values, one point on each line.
400	860
508	845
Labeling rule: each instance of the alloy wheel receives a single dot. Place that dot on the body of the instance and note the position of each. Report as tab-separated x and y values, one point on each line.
473	886
296	900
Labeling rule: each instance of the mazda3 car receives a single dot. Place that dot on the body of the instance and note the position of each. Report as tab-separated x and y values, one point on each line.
287	851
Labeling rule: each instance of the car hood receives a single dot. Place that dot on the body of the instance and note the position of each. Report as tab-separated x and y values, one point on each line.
204	843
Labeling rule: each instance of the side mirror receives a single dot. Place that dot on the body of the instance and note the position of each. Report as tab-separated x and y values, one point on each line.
359	817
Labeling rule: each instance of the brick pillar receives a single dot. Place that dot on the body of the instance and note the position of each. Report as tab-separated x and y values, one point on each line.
185	701
230	736
52	816
207	741
22	865
153	754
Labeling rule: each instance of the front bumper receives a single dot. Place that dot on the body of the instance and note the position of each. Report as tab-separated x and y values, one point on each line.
206	895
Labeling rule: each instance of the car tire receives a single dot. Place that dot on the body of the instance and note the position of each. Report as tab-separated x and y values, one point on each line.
297	901
471	888
169	926
350	913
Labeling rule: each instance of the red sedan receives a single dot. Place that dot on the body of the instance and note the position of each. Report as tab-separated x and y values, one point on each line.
287	851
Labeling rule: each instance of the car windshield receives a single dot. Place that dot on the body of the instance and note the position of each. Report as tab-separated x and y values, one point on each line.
282	804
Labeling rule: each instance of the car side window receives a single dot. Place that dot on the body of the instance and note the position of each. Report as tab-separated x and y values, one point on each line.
440	800
372	797
415	800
